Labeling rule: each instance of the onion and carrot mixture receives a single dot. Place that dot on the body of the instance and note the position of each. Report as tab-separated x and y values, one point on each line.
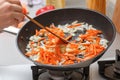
86	42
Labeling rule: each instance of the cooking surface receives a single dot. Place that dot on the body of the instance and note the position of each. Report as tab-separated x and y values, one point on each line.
13	66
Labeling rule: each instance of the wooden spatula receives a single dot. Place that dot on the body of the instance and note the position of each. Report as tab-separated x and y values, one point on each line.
41	26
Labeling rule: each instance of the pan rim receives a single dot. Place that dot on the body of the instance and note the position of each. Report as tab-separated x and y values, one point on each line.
71	66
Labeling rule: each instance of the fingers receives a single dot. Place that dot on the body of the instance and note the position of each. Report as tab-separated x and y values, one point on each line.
14	2
10	13
9	22
17	16
15	22
15	11
15	7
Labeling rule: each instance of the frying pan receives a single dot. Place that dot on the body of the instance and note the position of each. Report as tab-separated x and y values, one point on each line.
63	16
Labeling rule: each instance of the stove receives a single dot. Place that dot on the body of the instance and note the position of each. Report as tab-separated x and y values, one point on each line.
110	69
44	74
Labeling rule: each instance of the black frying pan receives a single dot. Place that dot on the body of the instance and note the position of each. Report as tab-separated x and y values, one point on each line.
63	16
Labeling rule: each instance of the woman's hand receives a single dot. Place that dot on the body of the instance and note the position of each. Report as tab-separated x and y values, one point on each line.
10	13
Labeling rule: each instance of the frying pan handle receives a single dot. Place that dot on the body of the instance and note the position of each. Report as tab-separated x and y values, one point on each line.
12	30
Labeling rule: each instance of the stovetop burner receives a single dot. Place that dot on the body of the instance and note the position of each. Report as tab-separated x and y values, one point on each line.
110	69
44	74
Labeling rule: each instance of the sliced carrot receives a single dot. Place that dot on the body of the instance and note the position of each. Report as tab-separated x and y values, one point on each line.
68	62
53	52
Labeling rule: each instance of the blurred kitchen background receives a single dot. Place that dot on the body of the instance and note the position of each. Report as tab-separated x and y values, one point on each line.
110	4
